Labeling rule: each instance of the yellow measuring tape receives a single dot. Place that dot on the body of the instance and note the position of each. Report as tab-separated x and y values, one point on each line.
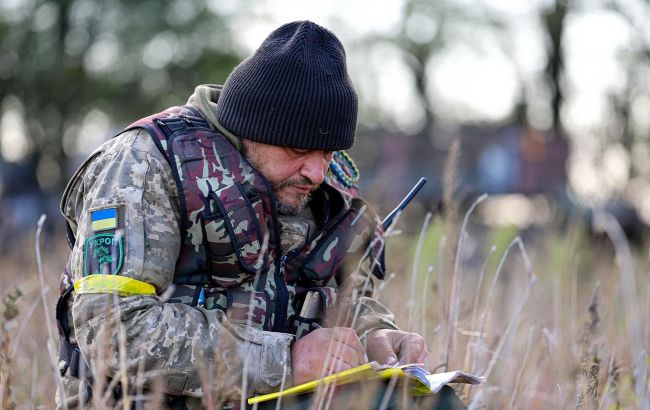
121	285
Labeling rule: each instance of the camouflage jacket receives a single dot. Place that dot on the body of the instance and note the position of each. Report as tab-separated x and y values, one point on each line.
173	347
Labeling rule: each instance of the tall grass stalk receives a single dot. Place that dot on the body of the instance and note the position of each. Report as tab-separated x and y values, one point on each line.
456	280
103	391
638	344
488	303
520	374
588	382
477	402
442	360
51	339
249	319
513	320
472	323
122	351
19	334
532	279
416	267
610	382
388	393
561	399
450	213
479	286
450	203
424	302
324	392
284	378
7	322
32	392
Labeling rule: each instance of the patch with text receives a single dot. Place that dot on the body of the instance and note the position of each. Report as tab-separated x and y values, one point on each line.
104	253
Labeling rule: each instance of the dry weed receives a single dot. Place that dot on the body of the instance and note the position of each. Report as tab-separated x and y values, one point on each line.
494	315
10	312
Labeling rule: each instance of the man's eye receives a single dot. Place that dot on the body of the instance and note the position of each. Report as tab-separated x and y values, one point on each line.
299	151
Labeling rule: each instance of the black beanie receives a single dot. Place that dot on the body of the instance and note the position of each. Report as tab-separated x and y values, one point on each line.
294	91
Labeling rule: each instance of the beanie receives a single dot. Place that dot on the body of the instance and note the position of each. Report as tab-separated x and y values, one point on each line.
294	91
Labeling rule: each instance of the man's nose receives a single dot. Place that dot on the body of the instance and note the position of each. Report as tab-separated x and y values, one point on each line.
314	167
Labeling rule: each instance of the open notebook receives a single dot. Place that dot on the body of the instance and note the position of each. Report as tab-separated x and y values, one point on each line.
422	382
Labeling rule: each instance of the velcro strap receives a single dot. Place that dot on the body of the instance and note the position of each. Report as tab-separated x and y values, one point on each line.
121	285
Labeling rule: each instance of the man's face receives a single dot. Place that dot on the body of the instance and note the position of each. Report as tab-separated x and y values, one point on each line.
294	173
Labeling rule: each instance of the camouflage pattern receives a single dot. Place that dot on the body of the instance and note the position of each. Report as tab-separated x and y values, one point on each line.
295	232
224	203
230	229
174	346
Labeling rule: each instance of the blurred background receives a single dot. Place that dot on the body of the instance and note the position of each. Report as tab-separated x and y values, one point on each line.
549	100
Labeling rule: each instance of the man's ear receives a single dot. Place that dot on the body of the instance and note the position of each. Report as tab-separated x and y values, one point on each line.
247	147
242	144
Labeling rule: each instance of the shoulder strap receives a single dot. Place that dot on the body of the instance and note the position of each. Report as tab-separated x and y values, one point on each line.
220	196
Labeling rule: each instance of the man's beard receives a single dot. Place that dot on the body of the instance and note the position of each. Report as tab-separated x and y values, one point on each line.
286	208
281	206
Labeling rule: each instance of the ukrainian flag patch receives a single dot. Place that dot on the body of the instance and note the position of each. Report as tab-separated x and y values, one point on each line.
103	219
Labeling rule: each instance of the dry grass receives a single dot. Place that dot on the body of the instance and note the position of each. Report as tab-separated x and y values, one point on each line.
525	329
562	324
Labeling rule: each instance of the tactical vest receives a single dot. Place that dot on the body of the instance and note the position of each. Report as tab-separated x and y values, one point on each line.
230	257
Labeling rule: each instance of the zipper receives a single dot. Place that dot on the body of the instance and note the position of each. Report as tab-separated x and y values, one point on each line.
283	263
283	288
283	259
281	291
281	297
282	294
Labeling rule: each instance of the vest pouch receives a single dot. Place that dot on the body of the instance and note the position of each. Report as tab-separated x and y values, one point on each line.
195	155
234	236
306	321
186	294
247	307
222	226
346	242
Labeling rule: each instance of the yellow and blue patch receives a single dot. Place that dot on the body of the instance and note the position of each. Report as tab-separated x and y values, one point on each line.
104	219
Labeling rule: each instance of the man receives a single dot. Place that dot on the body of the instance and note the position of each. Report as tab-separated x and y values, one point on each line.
198	233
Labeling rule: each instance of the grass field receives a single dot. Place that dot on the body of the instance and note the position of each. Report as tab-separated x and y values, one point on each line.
556	320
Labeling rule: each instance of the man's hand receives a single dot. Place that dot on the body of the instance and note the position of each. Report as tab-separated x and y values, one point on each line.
388	346
337	348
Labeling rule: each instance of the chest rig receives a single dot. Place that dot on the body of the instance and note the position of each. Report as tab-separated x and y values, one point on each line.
230	257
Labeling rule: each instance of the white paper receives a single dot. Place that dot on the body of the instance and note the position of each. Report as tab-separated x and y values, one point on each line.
440	379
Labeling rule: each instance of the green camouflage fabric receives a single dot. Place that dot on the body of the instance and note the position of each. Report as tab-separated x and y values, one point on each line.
295	232
229	229
209	355
225	202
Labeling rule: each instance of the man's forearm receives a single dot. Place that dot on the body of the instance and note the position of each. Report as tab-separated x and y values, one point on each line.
182	344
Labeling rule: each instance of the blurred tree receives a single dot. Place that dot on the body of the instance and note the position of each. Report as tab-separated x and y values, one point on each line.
554	20
627	126
425	30
61	59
